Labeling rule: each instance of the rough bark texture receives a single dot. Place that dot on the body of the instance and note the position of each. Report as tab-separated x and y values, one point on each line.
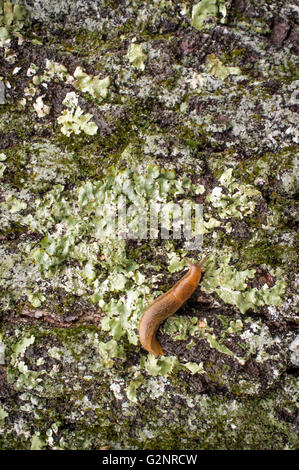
158	102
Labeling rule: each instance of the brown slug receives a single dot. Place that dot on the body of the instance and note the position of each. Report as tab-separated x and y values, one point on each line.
165	305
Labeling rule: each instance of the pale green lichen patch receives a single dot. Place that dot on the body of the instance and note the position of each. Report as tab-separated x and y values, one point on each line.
73	120
13	205
3	414
40	107
53	70
98	88
195	368
181	327
136	56
3	157
18	371
37	443
21	347
205	13
215	67
36	299
159	366
131	389
237	201
110	350
231	286
12	19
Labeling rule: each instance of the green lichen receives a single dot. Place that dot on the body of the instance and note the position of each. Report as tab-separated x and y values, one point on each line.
98	88
73	120
36	299
163	366
40	107
3	157
195	368
136	56
109	350
21	347
206	12
239	200
13	205
181	327
3	414
231	286
132	388
12	19
215	67
37	443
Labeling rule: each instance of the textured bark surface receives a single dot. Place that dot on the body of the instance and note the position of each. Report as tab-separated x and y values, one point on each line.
160	102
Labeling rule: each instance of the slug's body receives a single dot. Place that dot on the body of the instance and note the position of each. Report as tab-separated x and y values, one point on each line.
165	305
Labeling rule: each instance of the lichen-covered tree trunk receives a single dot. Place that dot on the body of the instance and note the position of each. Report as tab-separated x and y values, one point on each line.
158	105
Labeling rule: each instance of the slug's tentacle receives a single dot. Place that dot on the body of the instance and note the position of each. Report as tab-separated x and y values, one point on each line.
165	305
203	261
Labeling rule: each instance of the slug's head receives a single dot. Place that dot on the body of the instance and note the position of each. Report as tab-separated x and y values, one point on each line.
194	273
198	265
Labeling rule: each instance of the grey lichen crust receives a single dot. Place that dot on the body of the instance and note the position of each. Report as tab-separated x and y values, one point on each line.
159	102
